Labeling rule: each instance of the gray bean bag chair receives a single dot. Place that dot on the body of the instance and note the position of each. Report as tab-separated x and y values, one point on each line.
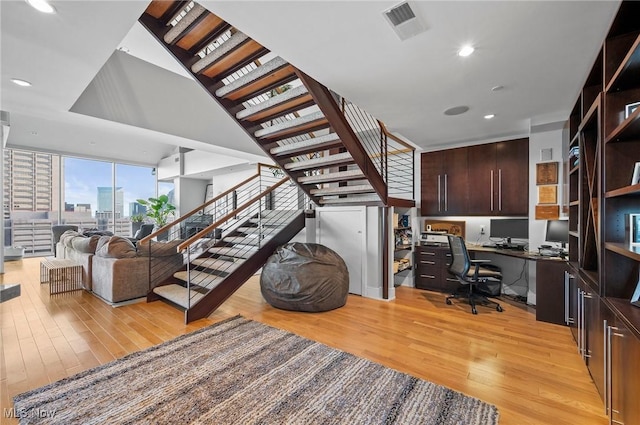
305	277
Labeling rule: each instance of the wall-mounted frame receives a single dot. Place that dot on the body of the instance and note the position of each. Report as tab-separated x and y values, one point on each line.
548	194
632	229
635	179
630	108
547	173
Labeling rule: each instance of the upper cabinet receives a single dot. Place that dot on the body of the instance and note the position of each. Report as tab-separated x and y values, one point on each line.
444	182
488	179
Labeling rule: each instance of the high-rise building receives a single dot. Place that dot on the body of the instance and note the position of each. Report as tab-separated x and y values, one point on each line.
31	182
105	201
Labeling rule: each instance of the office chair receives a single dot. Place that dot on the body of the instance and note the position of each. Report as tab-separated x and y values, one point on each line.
470	273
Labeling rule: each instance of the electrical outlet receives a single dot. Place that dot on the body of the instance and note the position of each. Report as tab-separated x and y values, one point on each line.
482	230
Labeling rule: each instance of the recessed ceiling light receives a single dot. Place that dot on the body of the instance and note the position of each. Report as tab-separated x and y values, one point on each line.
489	116
497	88
41	6
21	83
466	51
456	110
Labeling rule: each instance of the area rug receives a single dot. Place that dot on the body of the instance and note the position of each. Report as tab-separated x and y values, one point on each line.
243	372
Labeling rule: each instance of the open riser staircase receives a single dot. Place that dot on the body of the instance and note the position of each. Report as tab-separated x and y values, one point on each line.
337	153
246	225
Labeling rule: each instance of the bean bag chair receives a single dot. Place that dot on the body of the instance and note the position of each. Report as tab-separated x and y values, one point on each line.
305	277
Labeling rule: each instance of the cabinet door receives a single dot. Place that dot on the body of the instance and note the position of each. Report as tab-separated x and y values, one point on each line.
483	178
427	268
594	337
431	183
512	160
625	375
456	183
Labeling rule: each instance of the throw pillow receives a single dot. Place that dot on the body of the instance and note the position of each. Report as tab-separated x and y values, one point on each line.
117	247
159	249
68	236
85	245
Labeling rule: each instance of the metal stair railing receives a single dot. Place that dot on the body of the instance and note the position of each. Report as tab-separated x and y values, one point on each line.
392	157
238	235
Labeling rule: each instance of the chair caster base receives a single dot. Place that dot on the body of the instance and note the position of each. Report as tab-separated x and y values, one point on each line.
499	308
448	301
474	311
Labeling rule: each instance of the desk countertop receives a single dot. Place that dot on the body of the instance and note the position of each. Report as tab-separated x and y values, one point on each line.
527	255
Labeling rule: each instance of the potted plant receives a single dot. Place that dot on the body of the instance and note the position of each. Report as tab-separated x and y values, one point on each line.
158	209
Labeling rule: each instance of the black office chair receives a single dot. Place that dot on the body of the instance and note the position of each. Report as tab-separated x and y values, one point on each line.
471	274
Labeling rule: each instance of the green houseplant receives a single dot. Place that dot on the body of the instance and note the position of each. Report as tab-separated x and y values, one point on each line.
158	209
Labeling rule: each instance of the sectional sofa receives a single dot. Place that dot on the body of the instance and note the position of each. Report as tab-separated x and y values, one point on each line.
114	269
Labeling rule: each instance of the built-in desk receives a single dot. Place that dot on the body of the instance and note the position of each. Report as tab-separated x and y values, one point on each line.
549	281
432	261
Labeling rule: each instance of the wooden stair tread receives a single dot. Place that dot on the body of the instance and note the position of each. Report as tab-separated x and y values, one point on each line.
354	199
290	127
217	264
184	23
339	176
302	147
324	162
342	190
290	99
199	278
271	67
229	251
222	51
178	294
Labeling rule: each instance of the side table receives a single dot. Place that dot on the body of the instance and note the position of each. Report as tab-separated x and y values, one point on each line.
62	275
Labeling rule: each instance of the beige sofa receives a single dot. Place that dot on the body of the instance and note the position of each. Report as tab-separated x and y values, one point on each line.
116	271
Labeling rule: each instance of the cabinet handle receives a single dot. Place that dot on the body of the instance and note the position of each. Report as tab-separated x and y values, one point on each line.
611	331
439	193
606	365
579	319
491	190
427	253
500	189
427	262
427	276
585	350
446	193
567	277
450	279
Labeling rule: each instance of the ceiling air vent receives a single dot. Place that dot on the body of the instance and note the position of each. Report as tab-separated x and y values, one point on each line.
404	21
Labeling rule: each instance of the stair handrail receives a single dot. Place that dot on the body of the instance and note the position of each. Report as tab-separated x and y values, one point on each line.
205	204
210	228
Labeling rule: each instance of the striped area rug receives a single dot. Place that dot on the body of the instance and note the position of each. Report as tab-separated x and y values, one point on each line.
243	372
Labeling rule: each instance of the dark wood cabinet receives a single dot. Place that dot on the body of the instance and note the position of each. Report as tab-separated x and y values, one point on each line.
500	176
432	264
444	182
489	179
624	372
552	285
512	164
604	135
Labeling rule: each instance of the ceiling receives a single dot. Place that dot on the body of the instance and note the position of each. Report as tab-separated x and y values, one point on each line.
89	99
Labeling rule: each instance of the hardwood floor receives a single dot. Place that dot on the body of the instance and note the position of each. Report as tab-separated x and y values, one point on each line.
530	370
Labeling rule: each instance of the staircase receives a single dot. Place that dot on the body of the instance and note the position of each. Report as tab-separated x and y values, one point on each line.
337	153
240	229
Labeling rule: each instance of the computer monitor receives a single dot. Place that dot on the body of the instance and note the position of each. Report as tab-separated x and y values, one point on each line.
509	228
557	231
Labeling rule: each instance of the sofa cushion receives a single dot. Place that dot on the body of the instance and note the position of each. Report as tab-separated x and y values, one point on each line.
85	245
116	247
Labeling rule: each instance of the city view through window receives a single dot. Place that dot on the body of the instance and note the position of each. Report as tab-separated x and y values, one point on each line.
42	190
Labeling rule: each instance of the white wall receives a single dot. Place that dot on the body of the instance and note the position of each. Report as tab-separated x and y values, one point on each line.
227	177
189	194
548	136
